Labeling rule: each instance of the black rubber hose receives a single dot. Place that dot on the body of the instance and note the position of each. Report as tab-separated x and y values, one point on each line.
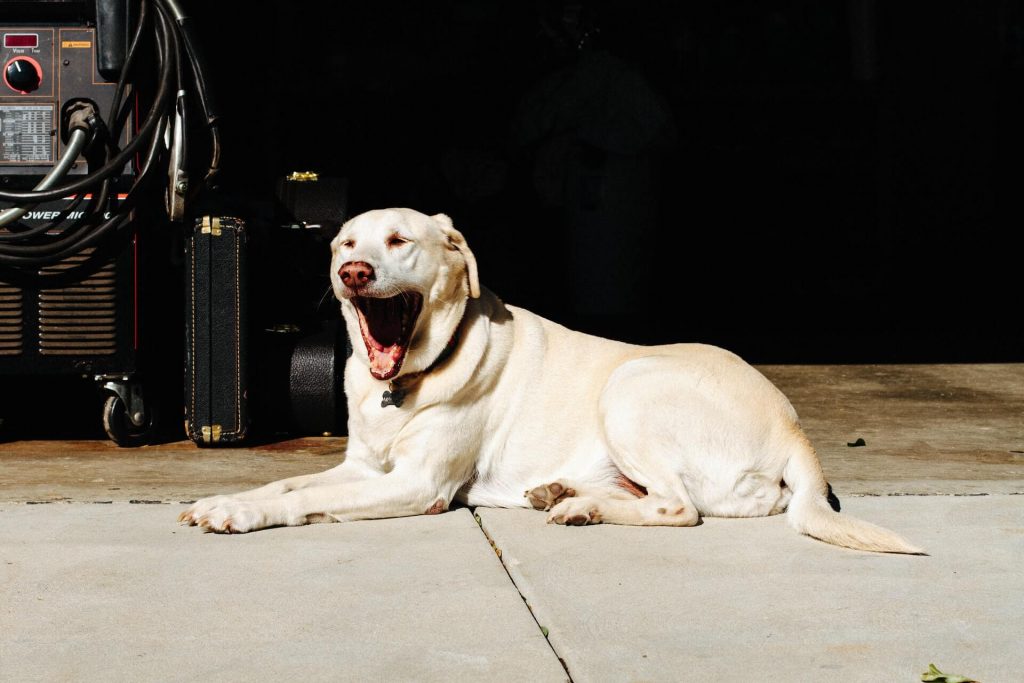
43	228
75	239
76	145
172	37
114	116
70	235
196	58
113	167
207	104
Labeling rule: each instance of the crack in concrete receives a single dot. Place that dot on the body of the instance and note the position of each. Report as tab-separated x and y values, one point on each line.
543	629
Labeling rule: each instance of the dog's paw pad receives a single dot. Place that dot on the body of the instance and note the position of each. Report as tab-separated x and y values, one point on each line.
546	496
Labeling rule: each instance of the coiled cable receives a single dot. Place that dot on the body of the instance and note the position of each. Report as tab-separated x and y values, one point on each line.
163	26
76	144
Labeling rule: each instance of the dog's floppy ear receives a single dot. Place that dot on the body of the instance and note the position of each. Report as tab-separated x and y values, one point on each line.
457	242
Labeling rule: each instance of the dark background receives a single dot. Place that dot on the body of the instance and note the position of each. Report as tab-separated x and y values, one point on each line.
807	181
799	181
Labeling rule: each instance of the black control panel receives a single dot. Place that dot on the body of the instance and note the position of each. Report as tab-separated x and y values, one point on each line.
44	68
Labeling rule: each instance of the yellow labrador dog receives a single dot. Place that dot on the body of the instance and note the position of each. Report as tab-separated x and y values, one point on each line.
457	396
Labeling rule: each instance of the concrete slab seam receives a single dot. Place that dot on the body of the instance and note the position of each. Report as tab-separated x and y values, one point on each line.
544	631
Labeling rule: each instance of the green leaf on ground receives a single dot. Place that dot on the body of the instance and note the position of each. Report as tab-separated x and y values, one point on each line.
933	675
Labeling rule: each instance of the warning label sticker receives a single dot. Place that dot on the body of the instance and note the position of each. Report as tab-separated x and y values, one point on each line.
25	133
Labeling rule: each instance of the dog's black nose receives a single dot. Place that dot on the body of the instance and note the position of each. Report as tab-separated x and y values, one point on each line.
356	274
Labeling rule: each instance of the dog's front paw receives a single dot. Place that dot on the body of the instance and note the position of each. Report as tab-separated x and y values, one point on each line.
235	517
227	515
575	512
198	509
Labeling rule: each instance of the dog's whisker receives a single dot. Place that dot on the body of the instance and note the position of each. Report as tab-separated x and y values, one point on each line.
323	298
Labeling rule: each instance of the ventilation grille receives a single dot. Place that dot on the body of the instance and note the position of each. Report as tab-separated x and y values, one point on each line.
80	319
10	320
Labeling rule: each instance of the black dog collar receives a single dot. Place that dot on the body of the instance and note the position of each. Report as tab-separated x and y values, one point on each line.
398	388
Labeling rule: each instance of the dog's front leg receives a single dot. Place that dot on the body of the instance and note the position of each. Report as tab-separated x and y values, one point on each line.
355	467
400	493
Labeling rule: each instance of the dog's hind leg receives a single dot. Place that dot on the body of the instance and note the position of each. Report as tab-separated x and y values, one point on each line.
651	510
648	438
547	496
576	505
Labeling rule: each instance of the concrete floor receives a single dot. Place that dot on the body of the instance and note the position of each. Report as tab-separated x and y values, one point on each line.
97	581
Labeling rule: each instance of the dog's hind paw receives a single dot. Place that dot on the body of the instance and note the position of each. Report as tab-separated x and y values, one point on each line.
575	512
546	496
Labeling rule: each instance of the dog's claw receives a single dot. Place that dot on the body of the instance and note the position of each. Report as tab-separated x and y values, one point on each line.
186	518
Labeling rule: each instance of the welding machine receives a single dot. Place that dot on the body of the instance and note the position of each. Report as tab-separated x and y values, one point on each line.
94	106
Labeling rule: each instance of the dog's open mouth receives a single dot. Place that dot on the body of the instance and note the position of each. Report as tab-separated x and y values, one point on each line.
386	325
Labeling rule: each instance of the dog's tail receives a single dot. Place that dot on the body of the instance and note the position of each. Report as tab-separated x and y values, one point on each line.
810	513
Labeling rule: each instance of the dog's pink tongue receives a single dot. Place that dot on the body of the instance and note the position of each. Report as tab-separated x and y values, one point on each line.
383	362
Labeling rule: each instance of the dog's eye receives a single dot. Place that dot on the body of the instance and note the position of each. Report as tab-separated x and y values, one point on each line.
397	241
348	244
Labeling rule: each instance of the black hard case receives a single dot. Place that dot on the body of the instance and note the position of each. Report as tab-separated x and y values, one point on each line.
216	390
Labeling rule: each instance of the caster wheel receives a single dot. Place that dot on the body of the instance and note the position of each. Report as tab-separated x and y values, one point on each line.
121	429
